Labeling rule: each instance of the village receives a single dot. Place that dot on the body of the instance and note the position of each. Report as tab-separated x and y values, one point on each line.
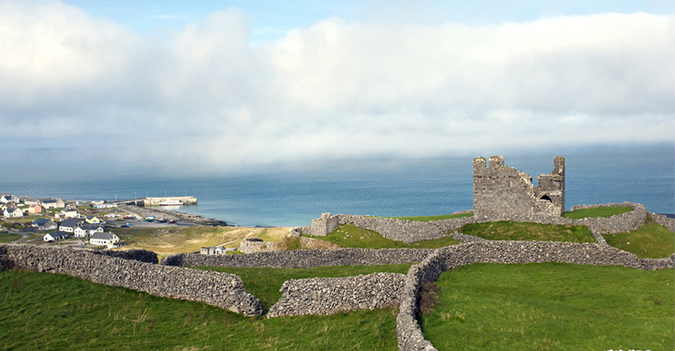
92	224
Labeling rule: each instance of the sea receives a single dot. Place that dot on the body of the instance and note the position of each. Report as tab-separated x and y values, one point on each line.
379	187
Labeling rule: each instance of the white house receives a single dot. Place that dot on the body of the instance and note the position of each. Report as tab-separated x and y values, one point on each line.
70	213
69	225
103	239
52	203
12	212
9	199
55	236
85	230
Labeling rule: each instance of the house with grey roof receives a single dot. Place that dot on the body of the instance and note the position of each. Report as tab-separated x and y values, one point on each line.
44	224
8	198
69	225
55	236
12	212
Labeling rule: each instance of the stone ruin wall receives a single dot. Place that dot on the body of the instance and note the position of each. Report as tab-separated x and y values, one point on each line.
499	189
214	288
408	331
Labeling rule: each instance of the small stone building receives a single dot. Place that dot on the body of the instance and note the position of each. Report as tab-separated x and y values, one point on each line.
500	189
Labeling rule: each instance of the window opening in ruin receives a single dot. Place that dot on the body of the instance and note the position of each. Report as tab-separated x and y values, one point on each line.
535	182
545	197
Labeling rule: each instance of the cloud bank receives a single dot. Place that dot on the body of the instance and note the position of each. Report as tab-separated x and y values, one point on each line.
337	89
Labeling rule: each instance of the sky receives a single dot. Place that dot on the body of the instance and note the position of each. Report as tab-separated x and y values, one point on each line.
221	86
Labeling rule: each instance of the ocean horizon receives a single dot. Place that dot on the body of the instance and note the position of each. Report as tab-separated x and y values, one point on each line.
378	187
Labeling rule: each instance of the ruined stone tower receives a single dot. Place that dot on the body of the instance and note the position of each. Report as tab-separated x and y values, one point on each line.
499	189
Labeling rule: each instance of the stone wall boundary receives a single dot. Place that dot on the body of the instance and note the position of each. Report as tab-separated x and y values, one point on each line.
413	231
409	333
326	296
214	288
301	258
663	220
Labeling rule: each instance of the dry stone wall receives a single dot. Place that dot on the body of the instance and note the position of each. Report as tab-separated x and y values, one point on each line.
663	220
301	258
412	231
410	336
214	288
133	254
325	296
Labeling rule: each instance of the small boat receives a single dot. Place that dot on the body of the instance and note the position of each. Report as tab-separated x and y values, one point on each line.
172	221
170	202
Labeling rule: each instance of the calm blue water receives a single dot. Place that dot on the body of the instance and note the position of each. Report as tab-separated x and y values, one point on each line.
376	187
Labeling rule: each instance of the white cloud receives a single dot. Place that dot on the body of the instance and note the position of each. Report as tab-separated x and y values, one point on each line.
336	89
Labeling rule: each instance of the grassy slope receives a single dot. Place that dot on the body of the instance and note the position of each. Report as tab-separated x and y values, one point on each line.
264	283
649	241
552	307
52	311
507	230
171	240
597	212
348	235
435	218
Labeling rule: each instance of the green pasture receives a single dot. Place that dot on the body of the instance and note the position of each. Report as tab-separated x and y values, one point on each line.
58	312
552	306
605	212
348	235
509	230
649	241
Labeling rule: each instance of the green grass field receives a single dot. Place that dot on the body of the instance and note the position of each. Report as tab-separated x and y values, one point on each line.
649	241
508	230
58	312
264	283
348	235
552	306
597	212
9	237
435	218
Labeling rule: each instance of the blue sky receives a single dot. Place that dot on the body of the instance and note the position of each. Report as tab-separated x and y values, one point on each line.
215	86
271	20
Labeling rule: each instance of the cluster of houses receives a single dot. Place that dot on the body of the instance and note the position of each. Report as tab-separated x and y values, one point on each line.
13	206
73	224
89	228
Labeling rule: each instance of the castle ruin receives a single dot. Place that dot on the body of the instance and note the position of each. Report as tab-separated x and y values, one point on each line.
499	189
